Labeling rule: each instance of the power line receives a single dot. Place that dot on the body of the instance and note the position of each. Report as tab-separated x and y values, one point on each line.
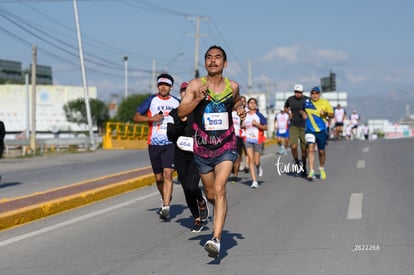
101	62
63	46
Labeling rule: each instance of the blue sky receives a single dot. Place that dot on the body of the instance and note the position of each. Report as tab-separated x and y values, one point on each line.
368	44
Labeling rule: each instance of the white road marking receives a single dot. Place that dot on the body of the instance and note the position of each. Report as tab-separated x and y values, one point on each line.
72	221
366	149
355	206
360	164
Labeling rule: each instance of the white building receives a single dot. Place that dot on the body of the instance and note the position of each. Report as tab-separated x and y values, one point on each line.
50	117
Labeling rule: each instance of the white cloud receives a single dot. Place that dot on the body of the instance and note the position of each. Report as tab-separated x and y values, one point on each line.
331	56
288	54
355	79
298	54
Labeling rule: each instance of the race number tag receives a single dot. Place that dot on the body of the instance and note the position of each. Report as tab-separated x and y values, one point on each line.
185	143
282	131
216	121
252	134
310	138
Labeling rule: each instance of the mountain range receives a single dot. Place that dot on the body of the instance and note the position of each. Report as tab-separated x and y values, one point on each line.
392	107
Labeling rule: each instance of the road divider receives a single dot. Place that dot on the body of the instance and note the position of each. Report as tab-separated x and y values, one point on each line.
25	209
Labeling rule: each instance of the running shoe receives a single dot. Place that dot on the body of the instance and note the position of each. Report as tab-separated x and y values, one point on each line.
322	173
303	173
198	226
254	184
203	209
311	175
165	212
260	171
162	204
234	180
212	247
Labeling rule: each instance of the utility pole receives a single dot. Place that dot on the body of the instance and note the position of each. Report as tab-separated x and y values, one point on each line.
26	84
249	81
197	43
154	76
126	75
33	112
85	84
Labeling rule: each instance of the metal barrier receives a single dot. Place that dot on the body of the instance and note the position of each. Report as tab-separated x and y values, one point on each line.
132	136
125	136
21	147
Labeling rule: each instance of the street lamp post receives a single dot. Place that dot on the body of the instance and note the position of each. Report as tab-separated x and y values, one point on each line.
126	75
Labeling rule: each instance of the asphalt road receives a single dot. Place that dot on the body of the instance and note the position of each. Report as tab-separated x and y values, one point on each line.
358	221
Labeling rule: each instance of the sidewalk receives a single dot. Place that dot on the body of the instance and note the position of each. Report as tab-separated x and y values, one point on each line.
24	209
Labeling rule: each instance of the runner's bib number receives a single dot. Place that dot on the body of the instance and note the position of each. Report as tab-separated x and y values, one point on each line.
185	143
216	121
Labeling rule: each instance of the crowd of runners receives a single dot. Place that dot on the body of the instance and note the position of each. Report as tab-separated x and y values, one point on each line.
211	130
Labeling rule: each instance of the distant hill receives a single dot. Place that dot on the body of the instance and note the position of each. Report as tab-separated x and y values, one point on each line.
392	107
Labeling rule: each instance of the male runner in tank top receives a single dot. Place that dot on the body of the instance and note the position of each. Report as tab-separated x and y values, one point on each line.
211	98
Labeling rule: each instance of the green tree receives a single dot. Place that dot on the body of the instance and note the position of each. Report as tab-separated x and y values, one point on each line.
128	106
75	111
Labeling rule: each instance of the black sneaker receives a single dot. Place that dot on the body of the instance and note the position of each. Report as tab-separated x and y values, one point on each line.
203	209
197	227
235	180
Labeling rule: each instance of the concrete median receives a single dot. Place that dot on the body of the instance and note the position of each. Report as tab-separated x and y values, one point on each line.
25	209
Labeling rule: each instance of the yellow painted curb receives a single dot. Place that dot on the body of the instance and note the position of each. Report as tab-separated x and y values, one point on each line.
41	210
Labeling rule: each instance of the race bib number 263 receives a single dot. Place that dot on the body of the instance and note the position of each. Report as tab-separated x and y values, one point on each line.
216	121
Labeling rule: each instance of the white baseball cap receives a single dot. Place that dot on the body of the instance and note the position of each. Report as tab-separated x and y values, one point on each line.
298	88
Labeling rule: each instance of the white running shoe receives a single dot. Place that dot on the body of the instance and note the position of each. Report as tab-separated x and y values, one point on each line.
165	212
254	184
212	247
